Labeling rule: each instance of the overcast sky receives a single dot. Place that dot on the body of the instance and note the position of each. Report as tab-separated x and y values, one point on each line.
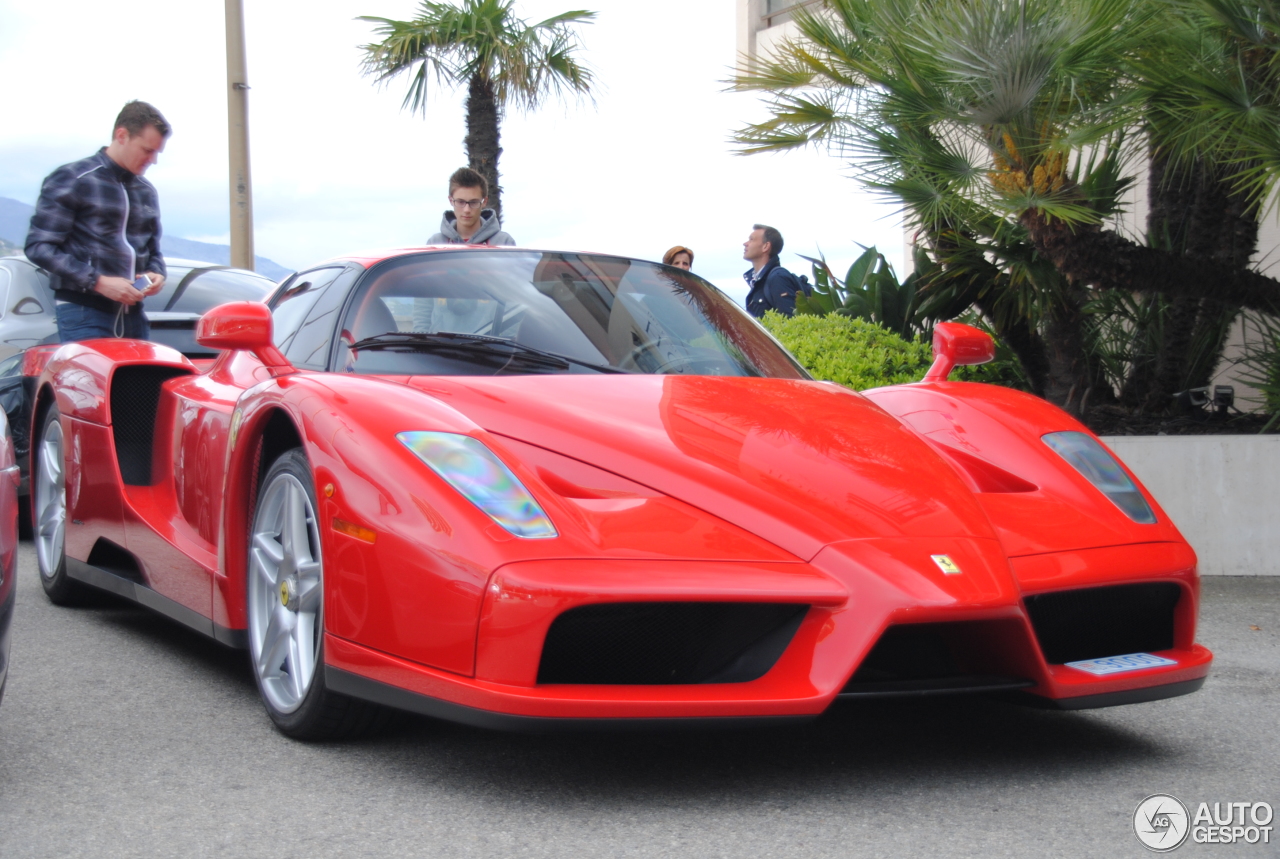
338	166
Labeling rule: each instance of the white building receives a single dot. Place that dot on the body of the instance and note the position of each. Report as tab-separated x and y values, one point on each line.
763	22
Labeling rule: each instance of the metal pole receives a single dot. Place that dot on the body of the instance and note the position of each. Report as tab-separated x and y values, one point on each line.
238	139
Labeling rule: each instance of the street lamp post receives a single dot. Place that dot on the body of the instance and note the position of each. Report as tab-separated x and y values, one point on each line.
238	139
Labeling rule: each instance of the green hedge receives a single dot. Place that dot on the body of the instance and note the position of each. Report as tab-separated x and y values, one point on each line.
852	352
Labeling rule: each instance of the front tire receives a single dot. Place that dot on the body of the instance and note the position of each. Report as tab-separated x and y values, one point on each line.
286	610
49	512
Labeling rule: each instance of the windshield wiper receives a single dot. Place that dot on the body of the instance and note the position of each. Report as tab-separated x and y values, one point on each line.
461	342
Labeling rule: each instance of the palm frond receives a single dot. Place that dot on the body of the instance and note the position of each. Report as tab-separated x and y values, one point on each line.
525	63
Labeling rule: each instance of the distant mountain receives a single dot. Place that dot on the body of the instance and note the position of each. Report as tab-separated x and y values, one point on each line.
15	218
221	254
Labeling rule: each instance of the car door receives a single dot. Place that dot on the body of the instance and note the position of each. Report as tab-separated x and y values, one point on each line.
26	307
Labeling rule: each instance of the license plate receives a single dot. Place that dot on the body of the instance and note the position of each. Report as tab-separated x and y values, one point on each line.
1117	664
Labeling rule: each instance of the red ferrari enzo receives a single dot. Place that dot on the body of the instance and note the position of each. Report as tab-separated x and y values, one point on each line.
523	489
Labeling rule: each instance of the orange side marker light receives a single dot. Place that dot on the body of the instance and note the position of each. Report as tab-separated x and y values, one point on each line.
342	526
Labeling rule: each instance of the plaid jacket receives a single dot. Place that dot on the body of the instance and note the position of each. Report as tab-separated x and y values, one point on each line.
94	218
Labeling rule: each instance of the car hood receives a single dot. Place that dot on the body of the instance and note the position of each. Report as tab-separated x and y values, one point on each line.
799	463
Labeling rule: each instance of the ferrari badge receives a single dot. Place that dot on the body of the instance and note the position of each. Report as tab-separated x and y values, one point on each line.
948	566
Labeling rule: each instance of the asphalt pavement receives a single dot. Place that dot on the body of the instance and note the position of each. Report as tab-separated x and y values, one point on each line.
122	734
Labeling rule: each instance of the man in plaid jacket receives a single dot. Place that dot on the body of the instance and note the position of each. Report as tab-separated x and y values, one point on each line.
96	230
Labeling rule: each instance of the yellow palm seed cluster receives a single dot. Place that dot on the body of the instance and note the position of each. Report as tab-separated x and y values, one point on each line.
1046	177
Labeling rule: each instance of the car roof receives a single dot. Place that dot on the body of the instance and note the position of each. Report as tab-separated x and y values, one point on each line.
369	258
177	262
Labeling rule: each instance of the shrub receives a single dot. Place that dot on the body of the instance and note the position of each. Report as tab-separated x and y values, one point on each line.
849	351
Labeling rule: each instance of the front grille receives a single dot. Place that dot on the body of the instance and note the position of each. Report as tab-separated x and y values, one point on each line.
941	658
656	643
908	652
1094	622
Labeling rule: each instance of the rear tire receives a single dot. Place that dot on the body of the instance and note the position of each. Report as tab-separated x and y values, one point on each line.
285	599
49	512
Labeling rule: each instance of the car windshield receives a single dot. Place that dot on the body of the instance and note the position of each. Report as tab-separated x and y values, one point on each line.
503	312
188	290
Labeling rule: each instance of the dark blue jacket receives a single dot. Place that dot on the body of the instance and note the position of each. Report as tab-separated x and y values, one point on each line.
94	218
773	289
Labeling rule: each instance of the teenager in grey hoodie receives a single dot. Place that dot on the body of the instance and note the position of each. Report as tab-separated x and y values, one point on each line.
468	223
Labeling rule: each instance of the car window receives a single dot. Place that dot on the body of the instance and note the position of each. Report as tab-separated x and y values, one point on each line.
298	296
11	366
435	311
172	280
211	287
24	291
310	345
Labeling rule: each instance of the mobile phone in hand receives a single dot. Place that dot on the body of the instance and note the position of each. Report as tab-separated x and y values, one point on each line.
143	283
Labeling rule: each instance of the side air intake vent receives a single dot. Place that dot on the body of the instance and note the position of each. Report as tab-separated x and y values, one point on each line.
135	394
1096	622
116	560
667	642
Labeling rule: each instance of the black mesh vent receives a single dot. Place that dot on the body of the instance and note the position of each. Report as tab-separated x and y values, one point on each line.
908	652
135	393
667	642
943	658
1096	622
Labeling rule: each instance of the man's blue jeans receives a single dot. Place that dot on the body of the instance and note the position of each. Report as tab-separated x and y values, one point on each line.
78	322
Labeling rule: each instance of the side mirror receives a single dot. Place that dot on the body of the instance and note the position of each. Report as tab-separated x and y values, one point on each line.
956	345
243	326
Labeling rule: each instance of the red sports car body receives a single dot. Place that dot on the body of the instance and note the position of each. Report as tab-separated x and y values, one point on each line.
520	488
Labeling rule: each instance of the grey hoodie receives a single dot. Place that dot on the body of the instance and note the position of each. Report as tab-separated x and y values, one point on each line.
490	232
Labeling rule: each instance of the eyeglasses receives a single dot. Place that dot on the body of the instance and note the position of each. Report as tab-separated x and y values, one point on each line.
466	204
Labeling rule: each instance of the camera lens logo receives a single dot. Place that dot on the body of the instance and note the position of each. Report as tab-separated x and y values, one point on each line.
1161	823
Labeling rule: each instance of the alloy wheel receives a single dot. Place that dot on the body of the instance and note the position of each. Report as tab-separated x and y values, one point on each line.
50	498
285	592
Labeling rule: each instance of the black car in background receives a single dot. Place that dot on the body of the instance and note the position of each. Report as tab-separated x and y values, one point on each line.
26	302
27	320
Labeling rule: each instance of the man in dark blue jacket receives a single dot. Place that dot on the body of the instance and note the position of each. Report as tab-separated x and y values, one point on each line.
772	287
96	230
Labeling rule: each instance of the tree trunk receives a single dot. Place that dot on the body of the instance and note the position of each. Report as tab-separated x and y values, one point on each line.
482	140
1021	337
1090	255
1069	382
1172	196
983	283
1173	356
1195	214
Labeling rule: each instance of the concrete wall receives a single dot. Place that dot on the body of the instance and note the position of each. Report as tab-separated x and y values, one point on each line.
1222	491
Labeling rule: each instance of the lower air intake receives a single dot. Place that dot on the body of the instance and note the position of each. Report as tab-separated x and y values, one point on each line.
1096	622
655	643
916	659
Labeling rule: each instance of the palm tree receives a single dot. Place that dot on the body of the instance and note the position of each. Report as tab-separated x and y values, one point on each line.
503	60
951	108
1005	127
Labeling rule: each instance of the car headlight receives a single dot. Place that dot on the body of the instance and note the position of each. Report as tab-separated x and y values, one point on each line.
483	479
1091	459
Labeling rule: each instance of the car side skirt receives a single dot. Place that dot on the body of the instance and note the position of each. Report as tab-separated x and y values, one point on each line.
356	686
145	596
6	625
